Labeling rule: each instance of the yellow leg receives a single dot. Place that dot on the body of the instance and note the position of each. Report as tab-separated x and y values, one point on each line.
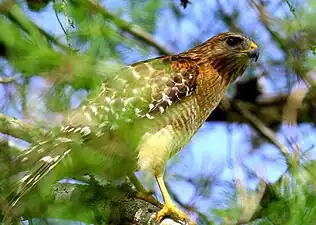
138	185
169	209
142	193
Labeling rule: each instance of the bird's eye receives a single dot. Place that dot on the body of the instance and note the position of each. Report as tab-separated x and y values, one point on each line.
233	41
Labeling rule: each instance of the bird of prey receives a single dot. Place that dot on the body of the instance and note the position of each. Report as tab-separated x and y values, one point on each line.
143	115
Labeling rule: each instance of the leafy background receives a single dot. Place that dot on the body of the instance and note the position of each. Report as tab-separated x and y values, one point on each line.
253	160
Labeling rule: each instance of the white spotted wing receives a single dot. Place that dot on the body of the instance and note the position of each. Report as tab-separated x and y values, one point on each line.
141	90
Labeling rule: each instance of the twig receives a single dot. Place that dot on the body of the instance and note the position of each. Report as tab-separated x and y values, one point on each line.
293	11
19	129
229	19
6	80
293	104
265	19
13	12
248	200
263	129
60	23
133	29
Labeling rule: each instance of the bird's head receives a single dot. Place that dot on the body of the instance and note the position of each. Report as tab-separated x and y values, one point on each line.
228	53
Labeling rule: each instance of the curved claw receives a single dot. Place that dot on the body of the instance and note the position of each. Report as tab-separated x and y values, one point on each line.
172	210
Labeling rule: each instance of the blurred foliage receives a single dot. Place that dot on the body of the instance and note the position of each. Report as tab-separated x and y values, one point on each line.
37	5
50	71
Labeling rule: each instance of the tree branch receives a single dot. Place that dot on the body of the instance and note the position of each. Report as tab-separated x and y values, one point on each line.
97	204
268	109
263	130
16	15
19	129
6	80
133	29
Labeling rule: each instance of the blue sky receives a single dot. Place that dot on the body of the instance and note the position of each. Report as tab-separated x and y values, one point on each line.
216	147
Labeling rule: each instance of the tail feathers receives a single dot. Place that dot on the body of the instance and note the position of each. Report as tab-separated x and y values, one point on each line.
42	159
55	151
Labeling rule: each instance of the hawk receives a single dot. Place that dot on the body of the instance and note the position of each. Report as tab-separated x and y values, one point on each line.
143	115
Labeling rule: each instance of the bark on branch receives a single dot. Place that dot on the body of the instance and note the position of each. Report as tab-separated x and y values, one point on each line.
97	204
269	109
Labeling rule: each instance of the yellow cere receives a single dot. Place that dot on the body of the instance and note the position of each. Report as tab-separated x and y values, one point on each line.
253	46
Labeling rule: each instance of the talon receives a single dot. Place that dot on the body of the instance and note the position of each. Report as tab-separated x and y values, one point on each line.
142	193
172	210
148	197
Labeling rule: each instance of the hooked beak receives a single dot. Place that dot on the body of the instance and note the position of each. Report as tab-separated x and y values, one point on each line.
254	55
254	52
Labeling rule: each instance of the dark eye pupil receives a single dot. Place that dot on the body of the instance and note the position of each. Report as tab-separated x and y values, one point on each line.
232	41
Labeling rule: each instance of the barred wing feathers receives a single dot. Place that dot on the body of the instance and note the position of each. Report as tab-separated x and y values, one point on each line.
139	91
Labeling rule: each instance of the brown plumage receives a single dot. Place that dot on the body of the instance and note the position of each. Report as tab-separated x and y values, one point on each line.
142	116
